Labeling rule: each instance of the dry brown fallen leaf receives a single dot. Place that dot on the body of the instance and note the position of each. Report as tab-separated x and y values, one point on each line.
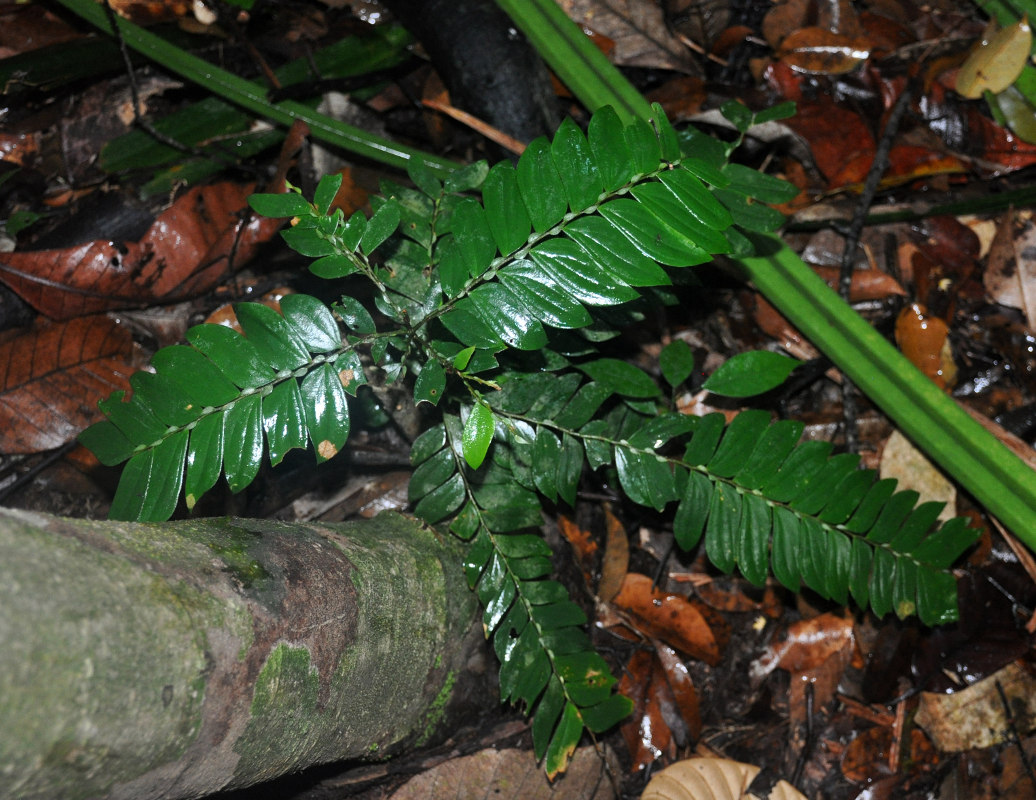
1010	274
52	376
190	248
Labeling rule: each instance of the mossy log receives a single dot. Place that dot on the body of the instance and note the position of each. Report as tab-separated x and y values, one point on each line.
174	660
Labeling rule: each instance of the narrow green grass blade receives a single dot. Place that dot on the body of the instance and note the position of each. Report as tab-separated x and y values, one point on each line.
1000	480
575	59
252	97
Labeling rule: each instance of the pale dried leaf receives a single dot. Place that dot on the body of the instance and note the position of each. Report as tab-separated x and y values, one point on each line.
638	29
904	462
1010	276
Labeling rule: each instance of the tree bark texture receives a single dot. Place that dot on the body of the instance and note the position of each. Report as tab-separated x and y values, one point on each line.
174	660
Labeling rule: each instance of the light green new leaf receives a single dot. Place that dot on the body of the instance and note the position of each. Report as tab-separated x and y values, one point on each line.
288	204
477	434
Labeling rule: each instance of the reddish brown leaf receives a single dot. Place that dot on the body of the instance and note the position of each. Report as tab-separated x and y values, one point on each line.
616	558
819	51
923	340
52	376
691	627
836	137
816	652
867	284
867	756
685	696
648	737
190	248
584	546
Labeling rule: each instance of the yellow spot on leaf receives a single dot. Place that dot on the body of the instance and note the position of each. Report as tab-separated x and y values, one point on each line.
346	376
326	450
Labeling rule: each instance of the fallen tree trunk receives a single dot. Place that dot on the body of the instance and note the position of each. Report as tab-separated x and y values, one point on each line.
178	659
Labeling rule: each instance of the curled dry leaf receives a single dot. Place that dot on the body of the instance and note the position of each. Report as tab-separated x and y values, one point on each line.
191	247
690	627
711	779
52	376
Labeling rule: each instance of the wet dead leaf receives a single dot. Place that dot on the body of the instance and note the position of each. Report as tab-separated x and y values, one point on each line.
52	376
584	546
690	627
685	696
818	51
616	558
1010	275
190	248
923	339
866	759
975	717
646	732
637	29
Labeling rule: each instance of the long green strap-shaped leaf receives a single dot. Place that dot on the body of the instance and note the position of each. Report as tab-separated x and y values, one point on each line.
252	97
576	60
1001	481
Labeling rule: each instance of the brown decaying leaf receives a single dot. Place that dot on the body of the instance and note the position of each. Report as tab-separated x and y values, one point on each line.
923	339
638	30
819	51
866	758
616	557
685	696
584	546
691	627
974	717
52	376
1010	275
816	652
648	737
867	284
190	248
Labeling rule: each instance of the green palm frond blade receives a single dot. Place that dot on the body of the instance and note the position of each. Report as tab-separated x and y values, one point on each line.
706	439
164	398
604	244
546	301
753	545
506	315
774	446
847	496
654	237
562	262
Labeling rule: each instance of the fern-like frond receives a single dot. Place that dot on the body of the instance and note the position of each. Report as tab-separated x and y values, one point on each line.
209	406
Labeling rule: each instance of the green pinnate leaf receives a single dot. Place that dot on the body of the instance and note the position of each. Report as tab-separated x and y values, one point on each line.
160	395
504	313
774	446
758	185
545	454
642	145
236	356
243	442
465	179
380	226
676	361
689	522
542	190
288	204
151	481
284	420
423	178
204	458
654	237
607	247
645	478
668	142
432	474
477	434
577	166
611	152
473	236
548	712
107	442
723	527
312	321
505	210
695	199
136	422
739	440
276	341
738	113
847	496
546	301
606	714
194	375
327	411
564	742
563	263
442	502
620	377
326	191
430	384
750	373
